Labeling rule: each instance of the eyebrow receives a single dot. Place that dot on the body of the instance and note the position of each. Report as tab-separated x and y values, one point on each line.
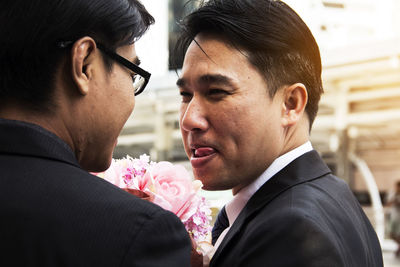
208	79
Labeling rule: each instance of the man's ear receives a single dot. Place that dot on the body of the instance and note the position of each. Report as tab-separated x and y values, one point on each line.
82	59
294	103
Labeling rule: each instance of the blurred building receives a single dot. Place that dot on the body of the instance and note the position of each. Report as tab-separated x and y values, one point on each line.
360	111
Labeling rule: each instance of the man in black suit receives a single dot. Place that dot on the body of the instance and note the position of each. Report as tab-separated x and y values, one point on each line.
68	79
250	87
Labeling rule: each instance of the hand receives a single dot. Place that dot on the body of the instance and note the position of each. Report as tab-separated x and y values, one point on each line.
139	194
196	258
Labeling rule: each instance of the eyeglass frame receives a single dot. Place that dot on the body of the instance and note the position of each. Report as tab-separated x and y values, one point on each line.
121	60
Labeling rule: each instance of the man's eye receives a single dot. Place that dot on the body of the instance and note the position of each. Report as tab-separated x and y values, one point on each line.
185	96
217	92
182	93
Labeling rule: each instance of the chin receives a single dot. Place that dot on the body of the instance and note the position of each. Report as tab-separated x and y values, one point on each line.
97	164
210	185
103	167
216	188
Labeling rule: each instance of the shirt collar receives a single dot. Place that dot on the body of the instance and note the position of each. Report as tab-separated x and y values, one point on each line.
235	206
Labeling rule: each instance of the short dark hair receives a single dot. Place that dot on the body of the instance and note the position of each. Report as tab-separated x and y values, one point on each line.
272	36
30	31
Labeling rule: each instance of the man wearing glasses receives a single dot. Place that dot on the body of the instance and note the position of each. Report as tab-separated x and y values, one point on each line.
69	75
250	87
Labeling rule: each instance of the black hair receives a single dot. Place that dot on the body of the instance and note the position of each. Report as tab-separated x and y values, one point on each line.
31	30
272	36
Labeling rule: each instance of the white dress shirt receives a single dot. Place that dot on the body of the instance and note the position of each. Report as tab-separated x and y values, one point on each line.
235	206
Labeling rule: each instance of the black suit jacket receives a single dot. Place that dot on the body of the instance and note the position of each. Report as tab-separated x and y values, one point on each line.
303	216
53	213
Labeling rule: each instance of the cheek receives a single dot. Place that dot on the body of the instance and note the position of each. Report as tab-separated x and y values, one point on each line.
233	122
249	128
185	141
183	132
130	105
124	94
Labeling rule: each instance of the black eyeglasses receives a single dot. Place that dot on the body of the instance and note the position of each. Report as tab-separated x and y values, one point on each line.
140	78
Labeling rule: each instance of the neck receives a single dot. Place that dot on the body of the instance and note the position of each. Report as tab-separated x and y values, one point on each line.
50	121
296	135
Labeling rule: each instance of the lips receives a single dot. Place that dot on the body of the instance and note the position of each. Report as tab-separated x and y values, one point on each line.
203	152
202	155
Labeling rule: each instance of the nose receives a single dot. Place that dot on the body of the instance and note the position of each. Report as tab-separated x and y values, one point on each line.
193	116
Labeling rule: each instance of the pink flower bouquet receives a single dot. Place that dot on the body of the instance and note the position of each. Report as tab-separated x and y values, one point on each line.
167	185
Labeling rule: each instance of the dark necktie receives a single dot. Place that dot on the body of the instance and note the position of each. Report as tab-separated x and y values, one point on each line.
220	224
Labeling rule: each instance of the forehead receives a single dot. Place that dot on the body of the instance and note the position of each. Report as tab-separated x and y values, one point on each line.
209	55
213	47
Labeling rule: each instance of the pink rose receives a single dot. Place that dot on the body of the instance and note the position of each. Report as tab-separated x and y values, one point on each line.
127	173
167	185
173	188
133	175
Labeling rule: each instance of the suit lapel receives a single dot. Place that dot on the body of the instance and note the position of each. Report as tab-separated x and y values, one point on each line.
305	168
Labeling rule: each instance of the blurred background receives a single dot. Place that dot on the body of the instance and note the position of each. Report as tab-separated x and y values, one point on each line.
357	130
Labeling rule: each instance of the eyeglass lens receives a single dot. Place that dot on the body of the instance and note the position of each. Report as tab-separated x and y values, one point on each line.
138	82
